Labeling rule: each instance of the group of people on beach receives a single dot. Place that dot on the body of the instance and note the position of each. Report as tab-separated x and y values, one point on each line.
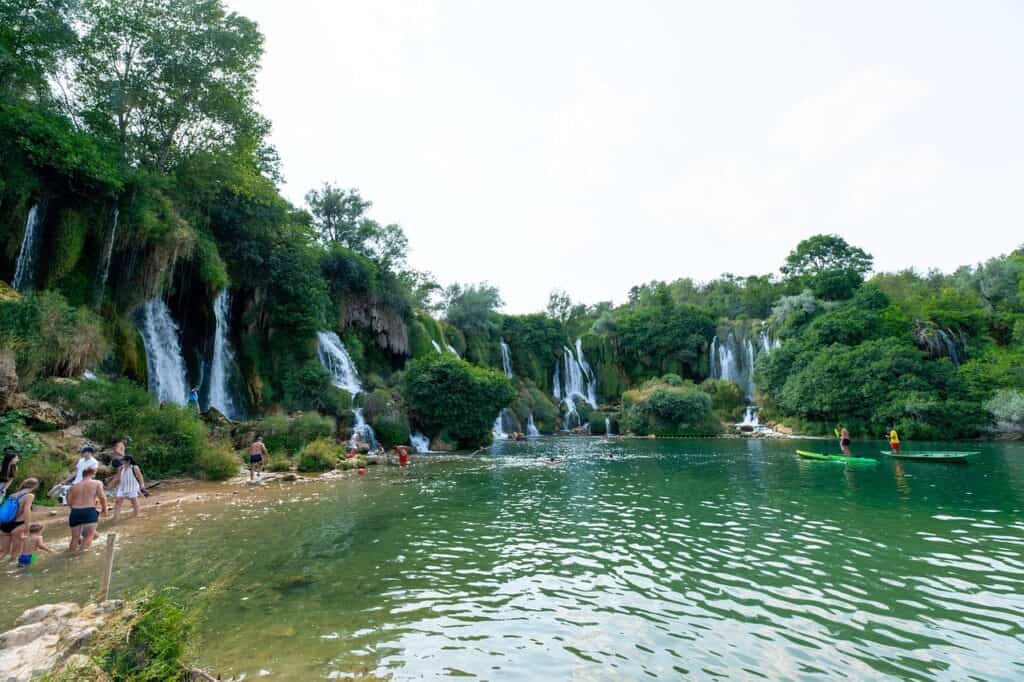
82	492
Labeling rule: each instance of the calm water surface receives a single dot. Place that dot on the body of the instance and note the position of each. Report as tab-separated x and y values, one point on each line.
630	560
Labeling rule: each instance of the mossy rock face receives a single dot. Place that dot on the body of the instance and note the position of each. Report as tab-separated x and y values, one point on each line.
7	293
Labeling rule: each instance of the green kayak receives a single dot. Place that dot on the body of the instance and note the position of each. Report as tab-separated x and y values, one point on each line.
836	458
932	456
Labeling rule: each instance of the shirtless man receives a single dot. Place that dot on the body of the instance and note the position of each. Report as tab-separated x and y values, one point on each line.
257	457
84	517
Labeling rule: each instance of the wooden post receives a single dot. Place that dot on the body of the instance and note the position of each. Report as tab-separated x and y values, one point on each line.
108	566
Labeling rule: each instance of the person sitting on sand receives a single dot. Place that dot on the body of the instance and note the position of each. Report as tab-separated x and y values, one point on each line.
83	518
33	543
257	456
130	485
13	533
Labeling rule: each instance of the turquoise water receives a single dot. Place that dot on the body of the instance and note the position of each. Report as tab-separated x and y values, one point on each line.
629	560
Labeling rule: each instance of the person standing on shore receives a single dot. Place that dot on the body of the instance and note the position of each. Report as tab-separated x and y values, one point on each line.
84	518
86	460
257	457
193	398
8	469
130	485
119	452
13	532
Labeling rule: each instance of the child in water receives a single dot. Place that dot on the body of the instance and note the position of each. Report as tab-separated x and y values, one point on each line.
33	543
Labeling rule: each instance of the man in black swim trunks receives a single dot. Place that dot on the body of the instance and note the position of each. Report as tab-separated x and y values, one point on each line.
257	455
84	518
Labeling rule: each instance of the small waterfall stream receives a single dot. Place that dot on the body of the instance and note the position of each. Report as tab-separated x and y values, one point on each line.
498	430
531	428
734	360
222	365
25	269
108	253
336	360
420	442
165	365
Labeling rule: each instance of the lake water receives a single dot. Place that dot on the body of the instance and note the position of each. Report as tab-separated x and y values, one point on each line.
629	560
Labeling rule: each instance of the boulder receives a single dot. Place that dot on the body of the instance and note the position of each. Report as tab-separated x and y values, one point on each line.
41	414
440	445
215	416
48	637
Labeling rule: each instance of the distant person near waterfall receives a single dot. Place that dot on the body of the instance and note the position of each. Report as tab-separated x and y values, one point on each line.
258	456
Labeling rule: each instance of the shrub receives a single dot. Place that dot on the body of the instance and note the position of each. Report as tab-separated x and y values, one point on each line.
392	429
445	393
279	463
218	461
286	435
155	644
666	410
319	455
597	424
1007	406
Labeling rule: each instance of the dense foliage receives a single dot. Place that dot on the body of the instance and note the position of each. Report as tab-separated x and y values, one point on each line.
669	407
455	400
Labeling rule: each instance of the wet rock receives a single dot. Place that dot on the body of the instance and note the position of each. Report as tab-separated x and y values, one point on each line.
290	478
439	445
39	413
215	416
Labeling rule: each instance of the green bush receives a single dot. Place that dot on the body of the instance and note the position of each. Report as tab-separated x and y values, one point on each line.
319	455
392	430
155	644
279	464
666	410
443	392
597	425
218	462
286	435
50	337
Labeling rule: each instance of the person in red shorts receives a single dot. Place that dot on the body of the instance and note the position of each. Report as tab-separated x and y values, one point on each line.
894	441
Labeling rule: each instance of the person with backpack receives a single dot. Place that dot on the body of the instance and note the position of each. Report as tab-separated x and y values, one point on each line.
15	518
129	486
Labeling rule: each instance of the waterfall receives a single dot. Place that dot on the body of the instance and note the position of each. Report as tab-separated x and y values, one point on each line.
25	270
420	442
531	428
767	343
165	365
336	360
452	350
222	366
607	426
952	348
498	430
436	346
733	360
574	380
750	418
108	253
506	358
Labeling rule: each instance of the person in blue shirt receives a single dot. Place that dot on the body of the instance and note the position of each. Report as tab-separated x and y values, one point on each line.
193	397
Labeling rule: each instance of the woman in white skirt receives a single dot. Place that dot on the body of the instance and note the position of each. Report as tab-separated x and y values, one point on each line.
130	485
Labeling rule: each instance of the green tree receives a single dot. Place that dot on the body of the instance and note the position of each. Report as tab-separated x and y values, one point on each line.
451	398
35	36
828	265
472	307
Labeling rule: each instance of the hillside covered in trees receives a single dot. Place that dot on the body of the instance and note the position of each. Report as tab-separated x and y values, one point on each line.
146	242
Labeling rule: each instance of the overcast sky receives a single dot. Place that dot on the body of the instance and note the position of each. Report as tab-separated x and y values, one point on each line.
591	146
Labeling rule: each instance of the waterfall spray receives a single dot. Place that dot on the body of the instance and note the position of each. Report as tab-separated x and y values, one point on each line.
25	270
165	365
336	360
223	363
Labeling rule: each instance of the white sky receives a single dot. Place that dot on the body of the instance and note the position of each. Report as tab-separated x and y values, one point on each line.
591	146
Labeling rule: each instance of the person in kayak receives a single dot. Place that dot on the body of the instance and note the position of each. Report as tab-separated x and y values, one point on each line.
894	441
844	441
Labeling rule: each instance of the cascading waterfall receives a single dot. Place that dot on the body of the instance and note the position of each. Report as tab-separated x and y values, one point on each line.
452	350
734	360
336	360
498	430
108	254
607	426
222	366
436	346
25	270
531	428
165	365
420	442
579	383
506	358
952	348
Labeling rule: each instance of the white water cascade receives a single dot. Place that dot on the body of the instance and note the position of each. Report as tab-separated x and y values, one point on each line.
420	442
733	360
451	350
436	346
498	430
531	428
108	253
25	270
574	380
222	366
607	426
336	360
165	365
